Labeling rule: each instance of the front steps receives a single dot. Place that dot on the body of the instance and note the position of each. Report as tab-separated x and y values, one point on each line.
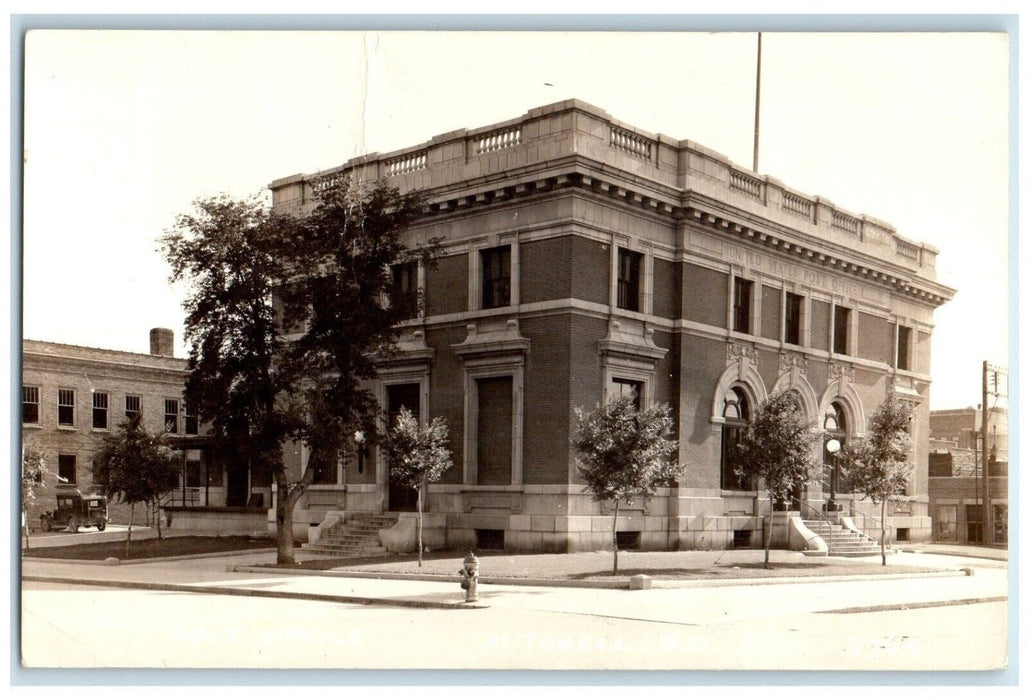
357	537
841	541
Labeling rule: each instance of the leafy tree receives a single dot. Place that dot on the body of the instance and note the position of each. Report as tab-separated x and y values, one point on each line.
776	448
625	453
878	465
134	466
256	275
418	457
34	474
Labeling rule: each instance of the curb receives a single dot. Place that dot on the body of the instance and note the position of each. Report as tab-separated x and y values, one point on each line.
614	585
151	560
916	606
953	553
258	593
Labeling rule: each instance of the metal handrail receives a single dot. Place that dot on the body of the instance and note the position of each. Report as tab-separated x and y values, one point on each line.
850	513
820	514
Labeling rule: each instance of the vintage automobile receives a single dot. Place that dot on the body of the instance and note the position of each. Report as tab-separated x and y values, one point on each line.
75	510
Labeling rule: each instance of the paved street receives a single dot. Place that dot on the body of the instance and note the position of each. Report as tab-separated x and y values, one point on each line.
867	623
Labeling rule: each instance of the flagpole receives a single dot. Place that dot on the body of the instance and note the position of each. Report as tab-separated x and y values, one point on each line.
757	102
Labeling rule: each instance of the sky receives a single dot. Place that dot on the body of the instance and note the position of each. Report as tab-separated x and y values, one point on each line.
123	130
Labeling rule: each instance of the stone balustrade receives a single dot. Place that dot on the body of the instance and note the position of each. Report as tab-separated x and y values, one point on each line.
578	136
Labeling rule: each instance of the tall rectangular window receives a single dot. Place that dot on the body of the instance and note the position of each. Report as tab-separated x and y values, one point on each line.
903	347
496	277
133	406
741	291
171	416
66	469
66	407
794	305
841	323
100	410
629	265
403	293
192	425
629	387
30	405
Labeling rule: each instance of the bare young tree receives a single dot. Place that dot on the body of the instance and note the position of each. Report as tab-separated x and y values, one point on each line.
418	457
135	467
878	465
625	454
776	448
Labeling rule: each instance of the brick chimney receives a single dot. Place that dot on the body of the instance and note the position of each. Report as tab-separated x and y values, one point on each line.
162	342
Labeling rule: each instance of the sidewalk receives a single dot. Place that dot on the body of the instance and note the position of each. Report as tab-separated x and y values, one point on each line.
251	574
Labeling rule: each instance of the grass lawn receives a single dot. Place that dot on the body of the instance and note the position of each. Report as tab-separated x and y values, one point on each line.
586	566
150	548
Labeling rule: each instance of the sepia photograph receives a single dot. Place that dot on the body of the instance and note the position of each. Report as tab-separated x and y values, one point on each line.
355	347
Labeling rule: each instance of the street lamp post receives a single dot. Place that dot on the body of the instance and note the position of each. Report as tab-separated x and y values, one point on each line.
831	424
360	439
833	447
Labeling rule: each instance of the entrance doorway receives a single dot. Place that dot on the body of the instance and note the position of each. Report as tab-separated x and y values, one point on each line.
402	498
237	485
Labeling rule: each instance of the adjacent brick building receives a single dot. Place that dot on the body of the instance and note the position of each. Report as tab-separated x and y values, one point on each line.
73	396
957	476
584	258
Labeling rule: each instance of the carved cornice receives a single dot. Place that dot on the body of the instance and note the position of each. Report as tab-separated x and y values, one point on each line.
628	342
492	341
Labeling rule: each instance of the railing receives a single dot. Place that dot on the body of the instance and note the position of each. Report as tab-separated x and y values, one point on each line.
797	205
820	513
189	497
631	143
499	140
407	164
741	182
328	181
907	250
847	224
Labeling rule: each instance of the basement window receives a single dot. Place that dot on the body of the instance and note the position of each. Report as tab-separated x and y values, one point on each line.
489	539
740	539
903	534
627	540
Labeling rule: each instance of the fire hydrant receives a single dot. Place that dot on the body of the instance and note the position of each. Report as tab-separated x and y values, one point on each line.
470	578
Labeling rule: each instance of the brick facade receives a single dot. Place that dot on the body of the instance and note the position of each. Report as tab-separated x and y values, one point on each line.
570	191
49	368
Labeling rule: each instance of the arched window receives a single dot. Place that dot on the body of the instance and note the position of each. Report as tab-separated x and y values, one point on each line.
736	412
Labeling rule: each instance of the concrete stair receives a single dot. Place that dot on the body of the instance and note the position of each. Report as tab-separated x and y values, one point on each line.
841	541
357	537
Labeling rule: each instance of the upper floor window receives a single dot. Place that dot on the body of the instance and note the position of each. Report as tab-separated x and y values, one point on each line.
496	277
100	410
629	387
192	424
171	416
403	293
841	323
903	348
629	265
741	291
66	407
66	469
794	305
132	406
30	405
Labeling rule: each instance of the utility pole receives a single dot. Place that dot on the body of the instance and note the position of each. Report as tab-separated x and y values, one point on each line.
986	519
757	101
990	372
